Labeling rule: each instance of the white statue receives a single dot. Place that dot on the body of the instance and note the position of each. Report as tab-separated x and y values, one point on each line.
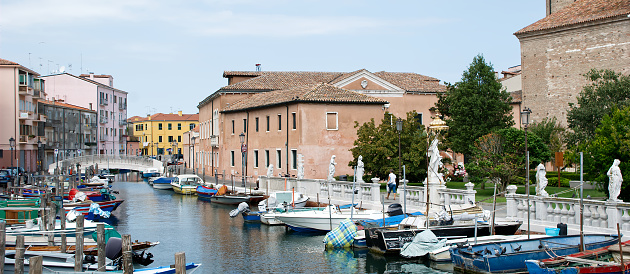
300	167
270	171
541	180
614	186
435	162
359	175
331	169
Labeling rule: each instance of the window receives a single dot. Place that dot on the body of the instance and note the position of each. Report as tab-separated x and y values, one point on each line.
232	158
279	121
256	124
179	126
191	126
179	139
294	159
278	159
159	126
115	97
232	126
160	139
170	139
294	121
331	121
256	158
266	158
419	118
267	123
170	126
244	125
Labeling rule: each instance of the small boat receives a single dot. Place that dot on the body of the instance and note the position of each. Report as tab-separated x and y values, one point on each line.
324	220
84	207
601	260
162	182
186	183
52	261
269	217
442	255
190	268
283	199
30	229
223	197
205	192
510	256
151	172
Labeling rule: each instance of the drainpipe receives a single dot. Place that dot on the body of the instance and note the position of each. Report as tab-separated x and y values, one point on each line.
211	135
246	142
287	142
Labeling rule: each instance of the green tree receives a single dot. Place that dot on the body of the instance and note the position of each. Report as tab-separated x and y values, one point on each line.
551	133
607	90
501	155
379	147
611	141
474	106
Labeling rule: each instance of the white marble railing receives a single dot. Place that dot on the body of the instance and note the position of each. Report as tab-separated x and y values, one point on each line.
450	196
597	214
416	196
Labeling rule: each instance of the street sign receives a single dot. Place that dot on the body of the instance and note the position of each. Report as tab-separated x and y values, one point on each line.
244	148
79	151
56	151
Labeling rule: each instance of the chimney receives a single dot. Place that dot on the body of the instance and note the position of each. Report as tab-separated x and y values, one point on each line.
91	75
90	106
179	113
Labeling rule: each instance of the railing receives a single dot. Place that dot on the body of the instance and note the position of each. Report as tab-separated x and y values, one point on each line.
41	118
130	162
122	122
457	196
122	106
103	102
597	214
103	119
214	140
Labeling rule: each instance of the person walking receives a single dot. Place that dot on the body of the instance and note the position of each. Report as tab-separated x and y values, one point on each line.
391	184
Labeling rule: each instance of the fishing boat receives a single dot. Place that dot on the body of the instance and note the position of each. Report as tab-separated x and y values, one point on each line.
151	172
162	182
186	183
510	256
324	220
84	207
601	260
205	192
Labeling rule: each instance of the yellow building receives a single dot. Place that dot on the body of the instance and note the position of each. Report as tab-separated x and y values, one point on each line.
161	134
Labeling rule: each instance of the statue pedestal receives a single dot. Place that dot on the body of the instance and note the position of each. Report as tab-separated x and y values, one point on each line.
433	187
614	214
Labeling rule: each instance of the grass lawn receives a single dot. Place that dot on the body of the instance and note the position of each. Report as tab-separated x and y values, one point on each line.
485	195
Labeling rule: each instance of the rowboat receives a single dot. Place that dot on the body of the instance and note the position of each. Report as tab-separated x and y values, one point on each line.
510	256
205	192
601	260
186	183
442	255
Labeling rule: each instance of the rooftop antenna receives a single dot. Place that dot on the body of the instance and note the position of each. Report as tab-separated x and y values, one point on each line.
257	67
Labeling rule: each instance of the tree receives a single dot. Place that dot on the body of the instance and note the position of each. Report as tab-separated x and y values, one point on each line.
474	106
611	141
501	155
551	133
379	147
607	90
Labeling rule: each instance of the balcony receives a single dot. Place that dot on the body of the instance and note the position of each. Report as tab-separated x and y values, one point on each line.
27	115
103	102
103	119
214	141
41	118
23	139
122	122
122	106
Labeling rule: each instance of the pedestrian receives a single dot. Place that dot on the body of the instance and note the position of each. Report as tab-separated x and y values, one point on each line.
391	184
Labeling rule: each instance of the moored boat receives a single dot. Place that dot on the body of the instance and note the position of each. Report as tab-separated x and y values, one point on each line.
205	192
163	183
601	260
324	220
186	183
151	172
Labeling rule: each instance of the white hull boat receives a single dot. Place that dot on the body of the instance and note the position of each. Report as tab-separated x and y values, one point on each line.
186	183
324	220
53	262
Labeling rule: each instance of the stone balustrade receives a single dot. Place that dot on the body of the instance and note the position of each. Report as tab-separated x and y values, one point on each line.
113	161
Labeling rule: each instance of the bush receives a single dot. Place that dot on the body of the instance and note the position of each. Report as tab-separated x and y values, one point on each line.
553	182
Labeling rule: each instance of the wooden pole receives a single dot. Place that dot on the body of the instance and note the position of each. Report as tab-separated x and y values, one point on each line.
100	241
51	222
19	254
126	249
62	220
78	245
3	242
180	263
35	265
623	266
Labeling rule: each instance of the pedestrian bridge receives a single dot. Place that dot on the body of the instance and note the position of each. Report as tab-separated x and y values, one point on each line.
109	161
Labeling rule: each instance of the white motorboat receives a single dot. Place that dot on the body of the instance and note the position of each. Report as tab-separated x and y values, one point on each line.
186	183
162	182
283	199
52	261
324	220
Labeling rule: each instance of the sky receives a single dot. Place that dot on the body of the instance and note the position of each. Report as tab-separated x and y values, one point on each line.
170	55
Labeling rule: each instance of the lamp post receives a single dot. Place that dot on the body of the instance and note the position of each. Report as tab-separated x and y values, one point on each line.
399	124
243	151
193	154
525	122
435	127
39	156
12	145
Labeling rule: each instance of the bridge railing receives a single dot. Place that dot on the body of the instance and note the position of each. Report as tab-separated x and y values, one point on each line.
131	161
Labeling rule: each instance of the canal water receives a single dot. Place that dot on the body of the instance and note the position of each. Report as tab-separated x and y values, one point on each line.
207	234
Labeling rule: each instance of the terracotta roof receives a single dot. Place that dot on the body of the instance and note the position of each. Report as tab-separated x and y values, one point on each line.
227	74
4	62
580	11
317	93
66	105
276	80
165	117
517	96
412	82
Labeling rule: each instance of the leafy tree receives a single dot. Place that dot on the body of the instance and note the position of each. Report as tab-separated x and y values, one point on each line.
551	132
501	155
379	147
611	141
474	106
607	91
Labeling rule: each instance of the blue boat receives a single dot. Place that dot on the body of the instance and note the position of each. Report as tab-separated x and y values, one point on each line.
163	183
205	193
510	256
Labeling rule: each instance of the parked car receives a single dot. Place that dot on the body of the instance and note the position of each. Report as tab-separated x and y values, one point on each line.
17	171
5	176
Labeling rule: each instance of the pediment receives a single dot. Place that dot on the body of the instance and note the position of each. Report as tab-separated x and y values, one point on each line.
365	81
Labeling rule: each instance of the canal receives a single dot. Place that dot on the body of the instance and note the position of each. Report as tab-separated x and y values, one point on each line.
207	234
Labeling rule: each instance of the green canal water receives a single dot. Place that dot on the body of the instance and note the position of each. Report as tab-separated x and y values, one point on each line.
207	234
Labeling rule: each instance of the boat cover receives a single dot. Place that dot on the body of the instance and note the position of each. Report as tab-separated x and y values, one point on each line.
96	210
422	244
341	236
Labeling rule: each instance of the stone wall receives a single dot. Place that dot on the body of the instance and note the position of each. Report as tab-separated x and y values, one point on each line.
554	62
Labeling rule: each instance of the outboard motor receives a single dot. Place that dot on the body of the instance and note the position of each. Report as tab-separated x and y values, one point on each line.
113	248
242	207
394	210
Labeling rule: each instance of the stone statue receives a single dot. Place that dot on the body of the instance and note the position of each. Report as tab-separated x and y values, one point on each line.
614	186
331	169
300	167
359	175
541	180
435	162
270	171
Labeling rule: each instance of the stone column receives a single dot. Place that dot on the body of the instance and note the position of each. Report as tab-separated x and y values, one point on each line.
541	207
376	190
614	214
511	202
434	196
470	193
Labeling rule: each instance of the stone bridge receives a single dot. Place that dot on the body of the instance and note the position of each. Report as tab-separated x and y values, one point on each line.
110	161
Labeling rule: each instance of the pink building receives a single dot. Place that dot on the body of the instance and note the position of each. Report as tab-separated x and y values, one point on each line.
96	92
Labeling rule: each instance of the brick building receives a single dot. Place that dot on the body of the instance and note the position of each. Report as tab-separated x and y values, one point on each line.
574	37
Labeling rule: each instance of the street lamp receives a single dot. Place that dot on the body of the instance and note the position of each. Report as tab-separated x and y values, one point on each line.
399	124
525	122
194	168
243	151
39	155
12	144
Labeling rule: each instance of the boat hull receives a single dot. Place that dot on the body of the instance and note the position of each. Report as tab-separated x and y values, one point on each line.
162	186
514	260
236	199
84	208
186	189
321	221
205	193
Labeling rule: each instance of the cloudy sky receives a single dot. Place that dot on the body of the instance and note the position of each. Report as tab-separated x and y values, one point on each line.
170	55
